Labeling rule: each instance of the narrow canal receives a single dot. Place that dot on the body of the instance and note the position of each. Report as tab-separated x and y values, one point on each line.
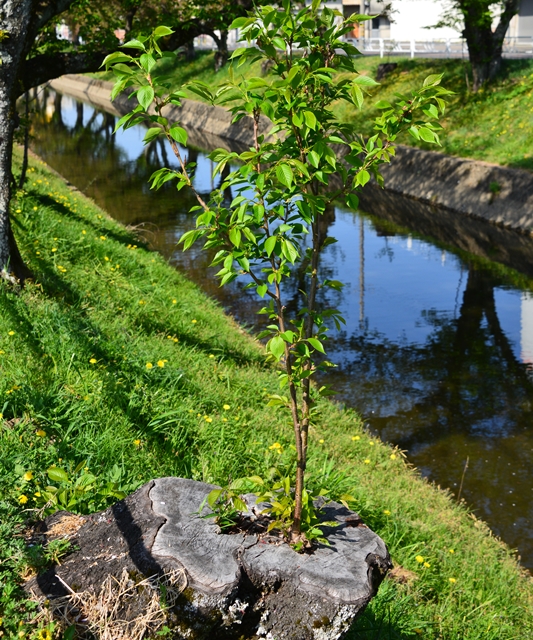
437	352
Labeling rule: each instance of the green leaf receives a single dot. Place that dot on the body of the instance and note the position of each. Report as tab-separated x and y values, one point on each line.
213	496
276	346
238	23
414	132
284	174
147	62
315	343
426	134
270	244
433	80
290	251
113	58
57	475
134	44
357	95
235	236
365	81
362	177
310	119
162	31
431	111
178	134
151	134
352	201
314	159
238	52
383	104
262	289
145	96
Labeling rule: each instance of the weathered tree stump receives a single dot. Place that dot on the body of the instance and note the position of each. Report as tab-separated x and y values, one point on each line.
232	585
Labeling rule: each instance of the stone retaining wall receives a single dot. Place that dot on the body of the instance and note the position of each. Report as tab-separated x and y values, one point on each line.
480	190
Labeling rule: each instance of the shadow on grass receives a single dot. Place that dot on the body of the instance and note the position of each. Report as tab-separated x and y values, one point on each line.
370	626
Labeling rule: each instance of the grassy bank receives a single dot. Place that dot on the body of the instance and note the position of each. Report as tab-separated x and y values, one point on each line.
114	363
493	125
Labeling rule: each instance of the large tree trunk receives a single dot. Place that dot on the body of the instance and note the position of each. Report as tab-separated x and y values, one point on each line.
484	44
221	54
14	18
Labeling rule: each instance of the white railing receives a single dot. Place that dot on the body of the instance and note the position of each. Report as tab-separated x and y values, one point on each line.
445	48
436	48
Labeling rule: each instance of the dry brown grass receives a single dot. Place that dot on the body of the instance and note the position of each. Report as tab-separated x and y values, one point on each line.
106	615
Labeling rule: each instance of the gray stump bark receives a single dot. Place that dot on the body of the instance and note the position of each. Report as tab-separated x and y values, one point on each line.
234	586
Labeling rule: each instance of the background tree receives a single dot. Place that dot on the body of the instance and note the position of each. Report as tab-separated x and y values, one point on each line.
475	19
31	54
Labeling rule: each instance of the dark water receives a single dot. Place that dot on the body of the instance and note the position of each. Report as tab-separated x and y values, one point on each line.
438	347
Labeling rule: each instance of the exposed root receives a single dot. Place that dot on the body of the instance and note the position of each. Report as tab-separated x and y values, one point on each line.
123	609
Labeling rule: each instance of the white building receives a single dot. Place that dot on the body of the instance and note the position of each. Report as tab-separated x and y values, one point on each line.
410	19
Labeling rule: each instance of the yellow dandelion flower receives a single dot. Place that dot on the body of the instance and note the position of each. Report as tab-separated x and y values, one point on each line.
194	321
427	565
275	447
149	365
386	512
23	499
226	407
35	208
371	443
169	337
175	339
84	232
44	634
393	456
174	301
10	333
40	433
161	363
103	238
419	559
367	461
37	494
321	440
452	580
106	258
142	302
224	419
354	438
28	476
208	419
93	360
54	249
211	355
451	550
137	443
37	253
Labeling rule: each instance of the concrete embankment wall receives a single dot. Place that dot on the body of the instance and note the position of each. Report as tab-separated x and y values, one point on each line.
476	189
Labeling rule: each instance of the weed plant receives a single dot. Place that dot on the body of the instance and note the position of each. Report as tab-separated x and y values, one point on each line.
113	359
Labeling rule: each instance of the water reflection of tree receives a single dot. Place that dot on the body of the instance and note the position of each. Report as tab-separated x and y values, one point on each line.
466	378
87	154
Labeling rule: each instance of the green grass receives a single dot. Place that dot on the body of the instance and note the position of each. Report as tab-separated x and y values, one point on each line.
76	389
493	125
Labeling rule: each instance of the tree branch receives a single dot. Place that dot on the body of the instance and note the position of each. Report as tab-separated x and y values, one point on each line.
45	67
